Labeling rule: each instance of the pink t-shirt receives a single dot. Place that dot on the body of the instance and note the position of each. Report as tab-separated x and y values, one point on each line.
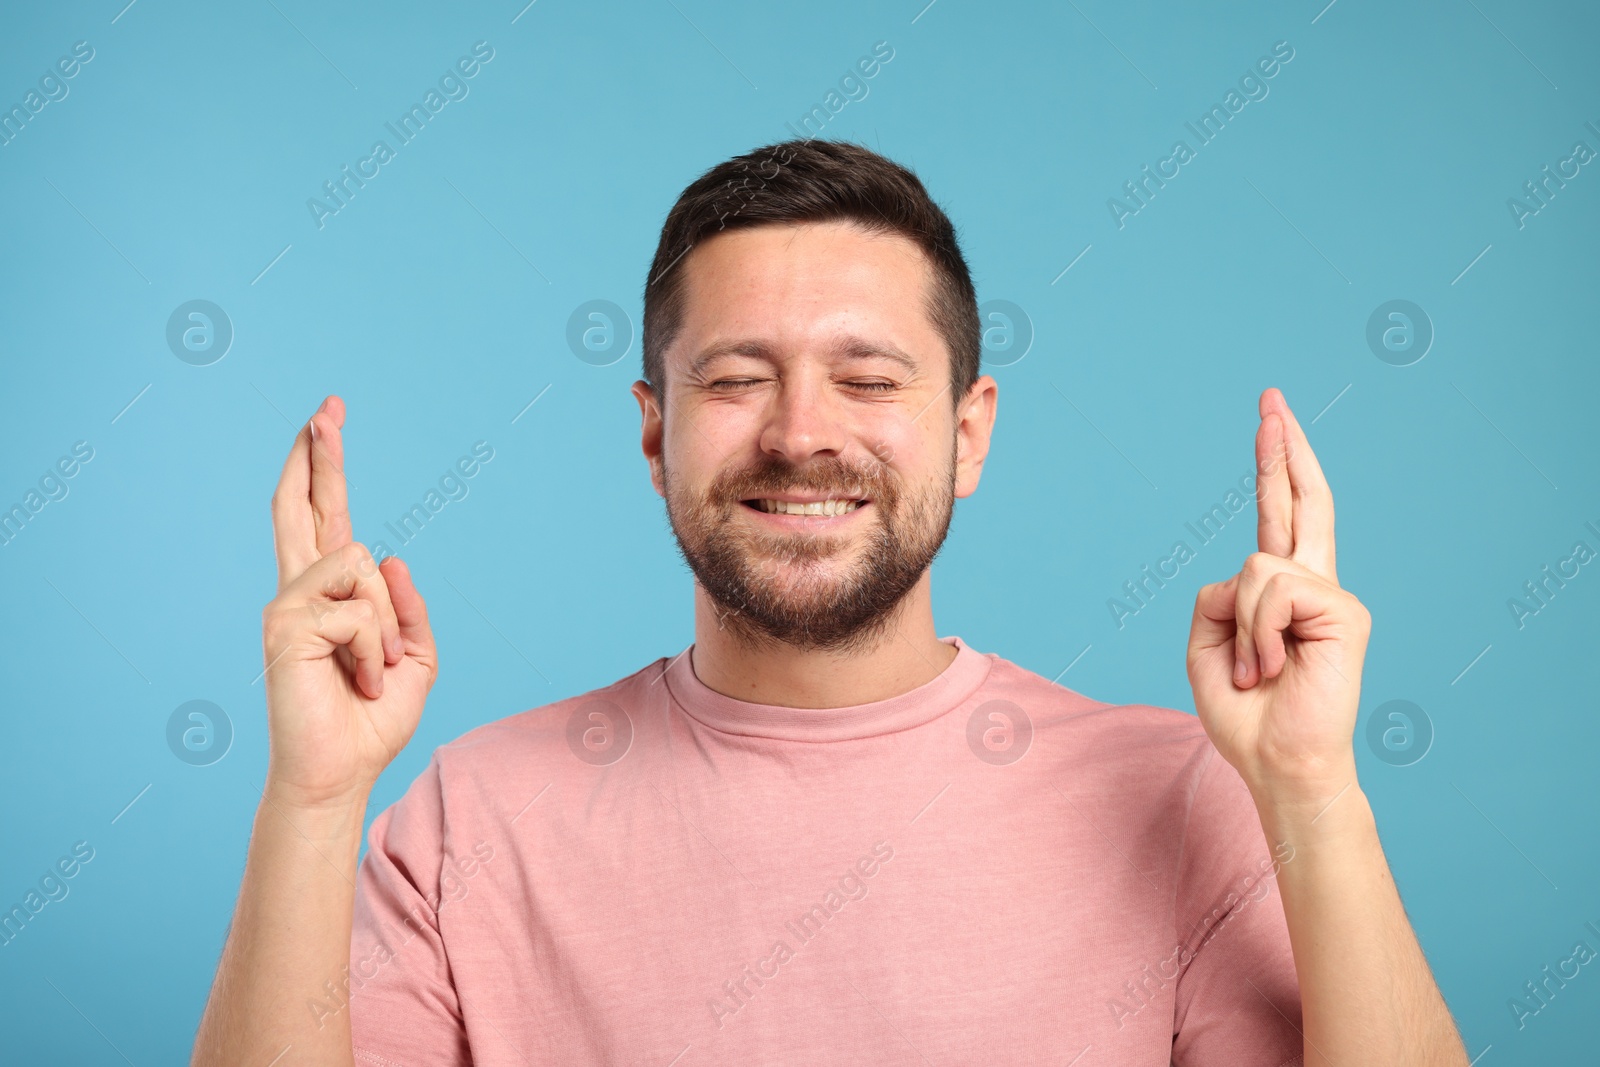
990	868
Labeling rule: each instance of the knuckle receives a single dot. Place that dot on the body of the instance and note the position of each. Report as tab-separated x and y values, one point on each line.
276	623
355	556
1256	563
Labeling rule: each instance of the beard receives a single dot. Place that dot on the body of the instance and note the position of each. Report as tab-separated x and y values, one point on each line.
802	589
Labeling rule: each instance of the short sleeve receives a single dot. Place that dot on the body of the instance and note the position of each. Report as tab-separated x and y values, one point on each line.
1237	1002
403	1004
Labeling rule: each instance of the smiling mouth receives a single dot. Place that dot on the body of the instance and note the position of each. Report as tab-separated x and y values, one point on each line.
829	506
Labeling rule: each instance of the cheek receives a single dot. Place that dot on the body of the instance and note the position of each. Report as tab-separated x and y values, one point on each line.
695	449
711	431
902	443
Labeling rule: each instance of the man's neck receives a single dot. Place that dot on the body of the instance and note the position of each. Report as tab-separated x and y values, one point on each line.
907	654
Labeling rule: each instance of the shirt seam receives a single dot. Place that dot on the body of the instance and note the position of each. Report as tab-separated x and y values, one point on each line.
1183	846
438	878
978	683
383	1061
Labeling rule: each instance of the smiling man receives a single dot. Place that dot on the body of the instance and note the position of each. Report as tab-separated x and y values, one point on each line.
821	833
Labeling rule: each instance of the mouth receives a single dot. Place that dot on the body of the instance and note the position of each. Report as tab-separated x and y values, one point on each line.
795	506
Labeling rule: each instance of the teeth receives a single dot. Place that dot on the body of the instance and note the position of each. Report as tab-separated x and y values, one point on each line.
821	507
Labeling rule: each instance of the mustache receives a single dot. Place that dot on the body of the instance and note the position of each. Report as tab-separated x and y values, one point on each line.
833	476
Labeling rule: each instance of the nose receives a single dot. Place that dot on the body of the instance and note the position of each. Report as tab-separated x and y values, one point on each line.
803	420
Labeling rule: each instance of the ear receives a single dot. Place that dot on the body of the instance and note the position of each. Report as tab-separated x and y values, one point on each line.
974	427
650	432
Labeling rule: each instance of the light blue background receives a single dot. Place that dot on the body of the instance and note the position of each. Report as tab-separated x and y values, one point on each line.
436	304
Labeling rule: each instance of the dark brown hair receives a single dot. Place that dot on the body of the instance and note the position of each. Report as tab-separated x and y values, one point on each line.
813	181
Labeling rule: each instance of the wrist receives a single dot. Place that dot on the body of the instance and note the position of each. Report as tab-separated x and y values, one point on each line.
320	808
1296	782
1306	810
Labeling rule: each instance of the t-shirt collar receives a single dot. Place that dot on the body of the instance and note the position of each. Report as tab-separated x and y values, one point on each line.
958	681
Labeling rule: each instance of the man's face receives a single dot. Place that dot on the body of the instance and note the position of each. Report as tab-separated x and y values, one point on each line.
807	377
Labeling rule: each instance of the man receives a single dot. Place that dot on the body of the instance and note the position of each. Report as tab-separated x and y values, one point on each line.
821	833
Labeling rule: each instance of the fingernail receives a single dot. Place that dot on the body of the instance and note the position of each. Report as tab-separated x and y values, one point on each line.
1240	669
397	647
313	424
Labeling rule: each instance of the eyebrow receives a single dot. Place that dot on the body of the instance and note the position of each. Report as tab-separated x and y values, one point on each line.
849	348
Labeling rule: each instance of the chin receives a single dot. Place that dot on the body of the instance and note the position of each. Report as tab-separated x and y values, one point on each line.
808	580
835	567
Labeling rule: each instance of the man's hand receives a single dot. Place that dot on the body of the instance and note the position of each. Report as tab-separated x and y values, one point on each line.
1275	652
350	656
350	659
1275	657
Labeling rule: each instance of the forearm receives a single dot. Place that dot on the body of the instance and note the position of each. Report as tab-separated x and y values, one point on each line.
290	935
1367	995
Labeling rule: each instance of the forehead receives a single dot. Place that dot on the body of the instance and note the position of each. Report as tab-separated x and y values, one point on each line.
802	286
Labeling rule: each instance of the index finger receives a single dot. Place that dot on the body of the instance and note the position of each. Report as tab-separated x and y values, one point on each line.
330	503
294	538
1274	505
1312	498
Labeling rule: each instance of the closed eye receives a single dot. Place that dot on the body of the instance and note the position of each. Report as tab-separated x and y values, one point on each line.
728	384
